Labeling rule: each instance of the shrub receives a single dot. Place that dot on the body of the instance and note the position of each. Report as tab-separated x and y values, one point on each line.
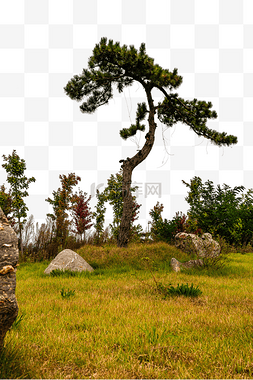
164	230
223	211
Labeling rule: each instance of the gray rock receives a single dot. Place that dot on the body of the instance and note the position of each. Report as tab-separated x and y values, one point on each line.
68	259
190	243
176	265
212	247
8	264
203	246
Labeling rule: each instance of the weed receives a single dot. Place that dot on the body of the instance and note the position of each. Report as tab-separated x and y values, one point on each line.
180	290
67	293
153	336
17	321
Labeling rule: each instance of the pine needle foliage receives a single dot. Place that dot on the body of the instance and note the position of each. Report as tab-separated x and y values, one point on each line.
112	64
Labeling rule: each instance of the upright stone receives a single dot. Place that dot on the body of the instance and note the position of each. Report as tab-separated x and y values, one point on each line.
8	264
203	247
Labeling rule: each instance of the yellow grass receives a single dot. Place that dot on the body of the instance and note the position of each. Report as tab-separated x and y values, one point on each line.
117	326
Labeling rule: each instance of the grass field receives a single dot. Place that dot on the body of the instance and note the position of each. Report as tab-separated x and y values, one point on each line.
116	325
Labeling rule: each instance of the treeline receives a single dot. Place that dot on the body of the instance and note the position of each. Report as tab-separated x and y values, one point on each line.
224	212
69	224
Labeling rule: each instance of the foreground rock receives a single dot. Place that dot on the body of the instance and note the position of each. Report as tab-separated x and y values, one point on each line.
68	259
203	247
8	264
176	265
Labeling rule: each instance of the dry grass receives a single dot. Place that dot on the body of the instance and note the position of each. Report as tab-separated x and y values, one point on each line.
117	326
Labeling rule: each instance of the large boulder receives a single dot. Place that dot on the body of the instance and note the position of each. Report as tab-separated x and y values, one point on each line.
203	246
68	259
8	264
212	247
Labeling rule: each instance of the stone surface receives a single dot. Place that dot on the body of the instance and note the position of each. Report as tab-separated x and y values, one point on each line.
203	246
176	265
212	247
8	264
68	259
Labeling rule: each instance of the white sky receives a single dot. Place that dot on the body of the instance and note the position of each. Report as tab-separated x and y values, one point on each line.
44	43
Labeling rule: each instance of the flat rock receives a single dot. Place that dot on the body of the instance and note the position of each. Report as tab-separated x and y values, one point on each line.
68	260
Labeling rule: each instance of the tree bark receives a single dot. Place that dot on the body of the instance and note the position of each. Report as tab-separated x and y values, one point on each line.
128	166
8	263
20	237
125	224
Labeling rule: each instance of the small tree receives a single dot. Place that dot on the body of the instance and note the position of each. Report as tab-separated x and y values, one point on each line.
19	184
82	215
165	230
113	195
28	233
6	202
99	216
62	203
111	65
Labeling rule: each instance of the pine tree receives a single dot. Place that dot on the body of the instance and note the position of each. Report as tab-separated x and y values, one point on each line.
111	65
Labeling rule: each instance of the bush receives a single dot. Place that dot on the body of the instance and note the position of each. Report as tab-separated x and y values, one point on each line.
165	230
224	211
162	230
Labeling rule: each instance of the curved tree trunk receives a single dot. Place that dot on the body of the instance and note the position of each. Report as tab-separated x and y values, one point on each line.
8	264
125	224
128	166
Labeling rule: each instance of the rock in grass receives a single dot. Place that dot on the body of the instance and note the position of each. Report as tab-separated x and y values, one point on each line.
68	259
177	265
203	246
8	264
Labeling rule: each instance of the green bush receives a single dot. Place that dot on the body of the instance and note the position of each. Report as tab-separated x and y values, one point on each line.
221	211
165	230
